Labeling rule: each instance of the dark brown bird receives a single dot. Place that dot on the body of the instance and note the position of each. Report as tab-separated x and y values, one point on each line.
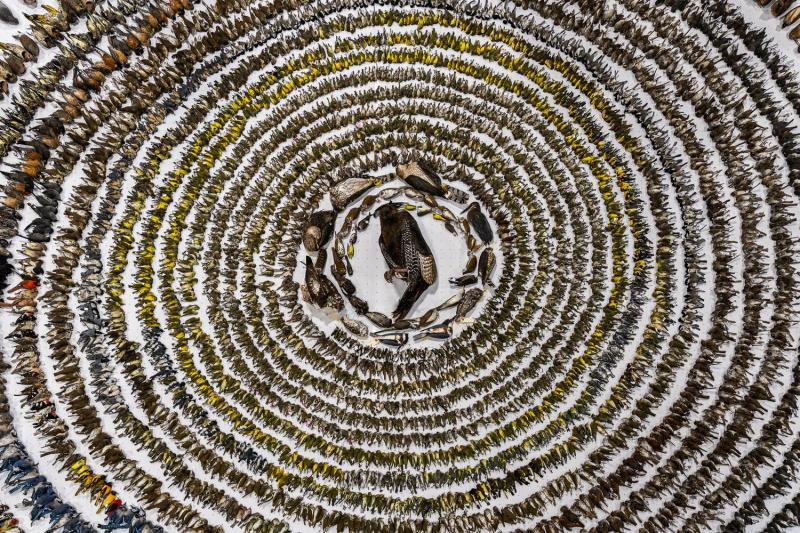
479	222
406	253
319	290
463	281
486	264
422	177
6	15
318	230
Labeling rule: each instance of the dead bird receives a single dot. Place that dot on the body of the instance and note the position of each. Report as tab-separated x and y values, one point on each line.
319	290
429	317
791	17
472	263
464	281
318	230
355	327
422	177
479	222
398	325
486	264
361	307
406	253
379	319
348	190
395	341
344	283
6	15
451	302
468	302
322	259
441	331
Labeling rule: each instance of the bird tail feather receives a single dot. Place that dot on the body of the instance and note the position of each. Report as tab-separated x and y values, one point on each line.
410	296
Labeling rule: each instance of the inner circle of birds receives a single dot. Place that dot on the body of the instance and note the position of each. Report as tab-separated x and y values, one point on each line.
398	201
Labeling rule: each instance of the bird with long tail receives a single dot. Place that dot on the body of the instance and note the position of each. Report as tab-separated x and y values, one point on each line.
406	253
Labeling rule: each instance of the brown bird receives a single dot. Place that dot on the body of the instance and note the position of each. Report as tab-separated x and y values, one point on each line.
318	230
479	222
319	290
407	254
422	177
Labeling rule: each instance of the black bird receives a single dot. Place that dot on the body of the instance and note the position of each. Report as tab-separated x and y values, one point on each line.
479	222
422	177
318	230
406	253
319	290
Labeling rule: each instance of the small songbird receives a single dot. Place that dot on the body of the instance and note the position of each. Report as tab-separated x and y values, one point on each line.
406	253
319	290
479	222
422	177
318	230
464	281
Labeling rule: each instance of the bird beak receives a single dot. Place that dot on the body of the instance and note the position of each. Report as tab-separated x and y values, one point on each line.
465	210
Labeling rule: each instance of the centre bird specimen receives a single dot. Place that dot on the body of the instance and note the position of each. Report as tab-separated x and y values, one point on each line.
407	255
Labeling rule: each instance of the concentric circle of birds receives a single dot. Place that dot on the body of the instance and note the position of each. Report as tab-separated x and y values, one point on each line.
402	266
394	199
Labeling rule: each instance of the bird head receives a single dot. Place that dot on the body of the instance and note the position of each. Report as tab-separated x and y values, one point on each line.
311	238
402	170
473	205
386	210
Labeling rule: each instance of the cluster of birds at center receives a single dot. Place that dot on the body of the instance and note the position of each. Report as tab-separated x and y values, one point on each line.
407	254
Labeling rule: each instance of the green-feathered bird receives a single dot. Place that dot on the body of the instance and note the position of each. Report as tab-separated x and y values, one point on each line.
406	253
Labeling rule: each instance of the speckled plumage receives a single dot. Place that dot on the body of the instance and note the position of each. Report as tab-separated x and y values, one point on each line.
406	253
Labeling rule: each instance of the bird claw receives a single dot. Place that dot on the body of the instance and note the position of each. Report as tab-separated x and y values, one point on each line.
390	274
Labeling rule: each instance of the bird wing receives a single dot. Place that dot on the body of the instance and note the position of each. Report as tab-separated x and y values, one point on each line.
430	171
428	268
391	253
427	264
